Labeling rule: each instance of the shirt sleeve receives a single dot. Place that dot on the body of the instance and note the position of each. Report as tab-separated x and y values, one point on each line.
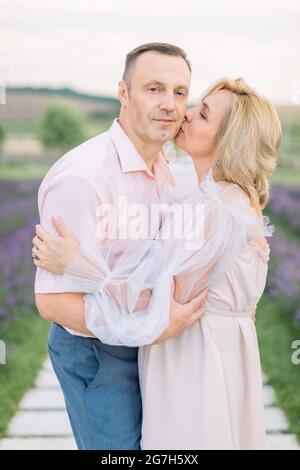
74	200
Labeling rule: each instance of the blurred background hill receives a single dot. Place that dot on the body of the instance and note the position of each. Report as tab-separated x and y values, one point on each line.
22	116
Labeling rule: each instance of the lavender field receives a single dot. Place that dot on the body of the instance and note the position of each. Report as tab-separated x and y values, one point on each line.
18	215
283	283
22	330
284	273
285	204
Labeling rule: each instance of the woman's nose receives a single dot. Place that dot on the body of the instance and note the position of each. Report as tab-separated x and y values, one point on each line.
188	115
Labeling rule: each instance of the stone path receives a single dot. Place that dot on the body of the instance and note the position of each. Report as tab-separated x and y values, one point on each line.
42	421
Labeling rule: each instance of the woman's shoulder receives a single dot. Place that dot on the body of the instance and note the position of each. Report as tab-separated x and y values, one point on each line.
228	193
259	229
237	204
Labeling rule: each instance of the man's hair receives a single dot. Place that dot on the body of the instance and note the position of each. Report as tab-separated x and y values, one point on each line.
160	47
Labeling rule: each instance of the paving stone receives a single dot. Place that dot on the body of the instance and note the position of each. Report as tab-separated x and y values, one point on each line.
47	379
264	378
55	443
269	396
40	424
43	399
275	420
48	364
282	442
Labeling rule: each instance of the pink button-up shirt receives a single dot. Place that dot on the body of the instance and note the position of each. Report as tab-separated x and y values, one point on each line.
100	171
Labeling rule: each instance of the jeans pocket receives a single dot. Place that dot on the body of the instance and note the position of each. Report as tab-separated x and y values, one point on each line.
60	340
96	379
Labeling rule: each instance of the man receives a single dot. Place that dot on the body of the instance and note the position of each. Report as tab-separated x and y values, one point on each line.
99	381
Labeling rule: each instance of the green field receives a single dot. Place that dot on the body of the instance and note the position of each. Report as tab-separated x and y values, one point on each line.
26	340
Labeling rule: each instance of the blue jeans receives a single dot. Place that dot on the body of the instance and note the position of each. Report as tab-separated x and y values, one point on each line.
101	388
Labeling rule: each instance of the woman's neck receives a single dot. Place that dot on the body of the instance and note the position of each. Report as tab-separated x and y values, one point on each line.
202	166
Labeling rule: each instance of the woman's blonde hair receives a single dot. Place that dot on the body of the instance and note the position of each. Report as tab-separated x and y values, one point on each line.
248	141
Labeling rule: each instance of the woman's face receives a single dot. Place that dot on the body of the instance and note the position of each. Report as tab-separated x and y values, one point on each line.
198	133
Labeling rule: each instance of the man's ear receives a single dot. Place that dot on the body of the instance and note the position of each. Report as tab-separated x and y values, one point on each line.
123	93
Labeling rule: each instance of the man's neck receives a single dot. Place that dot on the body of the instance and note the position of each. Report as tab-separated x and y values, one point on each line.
148	151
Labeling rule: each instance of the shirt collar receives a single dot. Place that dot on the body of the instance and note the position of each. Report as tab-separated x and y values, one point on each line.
130	158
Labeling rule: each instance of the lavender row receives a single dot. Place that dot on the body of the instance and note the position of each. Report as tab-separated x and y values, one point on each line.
17	269
285	204
18	203
283	284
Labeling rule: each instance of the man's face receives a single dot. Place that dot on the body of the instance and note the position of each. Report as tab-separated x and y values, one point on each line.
155	104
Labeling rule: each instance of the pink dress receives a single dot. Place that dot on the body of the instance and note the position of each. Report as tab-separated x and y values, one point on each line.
203	389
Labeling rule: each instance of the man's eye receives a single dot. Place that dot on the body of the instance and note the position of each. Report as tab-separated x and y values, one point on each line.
203	116
153	88
180	93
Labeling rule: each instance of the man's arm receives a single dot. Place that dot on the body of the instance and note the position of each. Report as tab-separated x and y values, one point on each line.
75	202
66	308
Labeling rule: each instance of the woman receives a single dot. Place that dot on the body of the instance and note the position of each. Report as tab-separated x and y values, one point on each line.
201	390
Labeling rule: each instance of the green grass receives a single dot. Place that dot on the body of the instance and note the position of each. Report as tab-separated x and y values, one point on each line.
29	170
26	349
20	126
92	126
282	228
23	171
96	126
36	170
276	334
286	175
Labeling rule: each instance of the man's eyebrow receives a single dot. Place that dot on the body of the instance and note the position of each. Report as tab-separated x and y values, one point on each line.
206	105
182	87
163	85
155	82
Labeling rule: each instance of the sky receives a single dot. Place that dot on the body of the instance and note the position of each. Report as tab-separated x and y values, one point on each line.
83	43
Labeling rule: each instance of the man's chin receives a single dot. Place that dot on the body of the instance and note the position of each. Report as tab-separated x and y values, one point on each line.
177	138
164	135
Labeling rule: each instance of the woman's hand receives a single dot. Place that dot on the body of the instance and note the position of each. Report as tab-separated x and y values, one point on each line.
51	252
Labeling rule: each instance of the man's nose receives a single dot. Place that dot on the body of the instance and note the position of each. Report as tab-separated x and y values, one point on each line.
168	102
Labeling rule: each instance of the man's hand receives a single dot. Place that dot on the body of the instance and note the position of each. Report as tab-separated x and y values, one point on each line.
183	316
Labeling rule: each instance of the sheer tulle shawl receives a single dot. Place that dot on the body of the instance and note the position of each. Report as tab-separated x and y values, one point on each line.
128	300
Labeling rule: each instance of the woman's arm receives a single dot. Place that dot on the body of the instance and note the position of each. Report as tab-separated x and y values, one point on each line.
110	307
62	254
